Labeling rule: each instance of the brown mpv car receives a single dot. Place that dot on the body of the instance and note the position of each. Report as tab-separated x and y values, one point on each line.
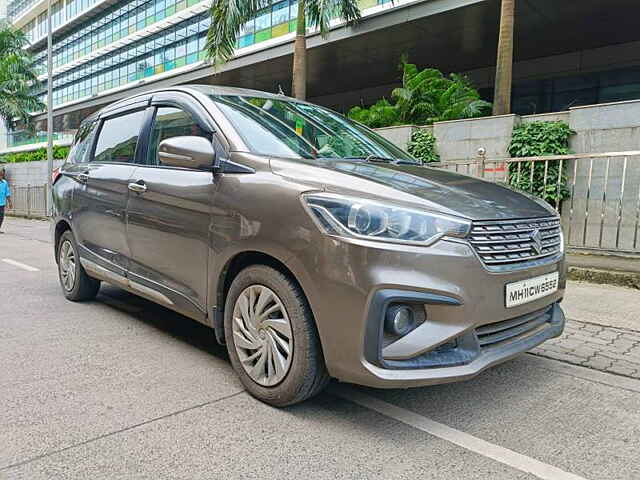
313	247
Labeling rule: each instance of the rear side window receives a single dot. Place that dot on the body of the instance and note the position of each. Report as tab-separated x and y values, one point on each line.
84	137
118	138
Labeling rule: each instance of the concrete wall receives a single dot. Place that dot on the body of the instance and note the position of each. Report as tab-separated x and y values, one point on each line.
462	139
611	127
399	135
28	173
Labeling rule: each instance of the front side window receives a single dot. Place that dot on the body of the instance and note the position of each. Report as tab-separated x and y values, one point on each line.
78	153
289	128
171	122
118	138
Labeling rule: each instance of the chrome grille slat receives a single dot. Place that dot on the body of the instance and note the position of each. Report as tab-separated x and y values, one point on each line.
512	241
520	230
523	236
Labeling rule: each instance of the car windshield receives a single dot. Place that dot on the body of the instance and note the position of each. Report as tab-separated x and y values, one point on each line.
288	128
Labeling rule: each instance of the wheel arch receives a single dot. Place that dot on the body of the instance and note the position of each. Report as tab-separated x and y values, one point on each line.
61	227
235	265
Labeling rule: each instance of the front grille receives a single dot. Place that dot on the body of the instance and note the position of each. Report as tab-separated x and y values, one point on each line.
516	328
516	241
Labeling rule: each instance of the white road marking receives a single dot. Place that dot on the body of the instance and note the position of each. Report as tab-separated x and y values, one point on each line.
28	268
462	439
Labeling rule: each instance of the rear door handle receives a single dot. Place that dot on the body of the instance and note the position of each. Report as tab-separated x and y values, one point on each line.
83	177
138	187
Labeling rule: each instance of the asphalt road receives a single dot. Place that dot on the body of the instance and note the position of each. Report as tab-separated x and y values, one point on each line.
119	388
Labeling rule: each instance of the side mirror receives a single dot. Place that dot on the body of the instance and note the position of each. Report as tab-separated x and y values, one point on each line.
187	152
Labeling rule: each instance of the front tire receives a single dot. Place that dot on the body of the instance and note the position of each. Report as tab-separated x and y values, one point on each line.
272	339
76	285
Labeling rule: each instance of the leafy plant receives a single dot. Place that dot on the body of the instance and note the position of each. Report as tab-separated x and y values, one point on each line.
380	114
540	139
59	153
423	146
426	96
17	79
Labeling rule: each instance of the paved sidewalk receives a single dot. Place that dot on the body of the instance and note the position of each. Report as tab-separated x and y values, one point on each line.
603	329
630	263
608	349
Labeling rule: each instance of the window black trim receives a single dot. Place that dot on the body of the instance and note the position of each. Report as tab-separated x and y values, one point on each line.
143	141
188	104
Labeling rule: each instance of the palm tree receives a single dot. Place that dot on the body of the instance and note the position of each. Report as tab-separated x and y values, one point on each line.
17	79
228	16
504	66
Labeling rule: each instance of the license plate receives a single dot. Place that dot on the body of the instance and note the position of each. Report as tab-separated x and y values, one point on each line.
519	293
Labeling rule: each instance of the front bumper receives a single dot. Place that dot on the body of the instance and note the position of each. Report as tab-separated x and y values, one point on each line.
355	281
466	357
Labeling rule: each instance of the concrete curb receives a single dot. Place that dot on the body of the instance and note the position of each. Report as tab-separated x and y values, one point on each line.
609	277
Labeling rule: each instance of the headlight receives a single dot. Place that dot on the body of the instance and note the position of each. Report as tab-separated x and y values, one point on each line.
360	218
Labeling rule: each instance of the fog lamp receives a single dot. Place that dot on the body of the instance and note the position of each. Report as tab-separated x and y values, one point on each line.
399	320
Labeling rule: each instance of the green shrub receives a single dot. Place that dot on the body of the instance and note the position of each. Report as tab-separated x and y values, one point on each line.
423	146
380	114
540	139
59	153
426	96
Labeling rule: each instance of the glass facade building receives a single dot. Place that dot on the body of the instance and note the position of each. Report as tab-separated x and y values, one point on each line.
101	47
174	46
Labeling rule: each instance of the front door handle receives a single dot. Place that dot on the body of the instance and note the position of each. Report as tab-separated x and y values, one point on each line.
138	187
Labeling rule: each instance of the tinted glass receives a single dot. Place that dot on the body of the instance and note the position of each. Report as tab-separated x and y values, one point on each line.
171	122
81	145
292	129
118	138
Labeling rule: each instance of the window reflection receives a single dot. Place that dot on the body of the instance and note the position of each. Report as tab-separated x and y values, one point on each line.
118	138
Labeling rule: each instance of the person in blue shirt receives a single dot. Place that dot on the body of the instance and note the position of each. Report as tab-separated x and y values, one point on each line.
5	196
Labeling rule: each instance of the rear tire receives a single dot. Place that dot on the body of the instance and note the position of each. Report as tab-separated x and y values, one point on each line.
76	285
273	344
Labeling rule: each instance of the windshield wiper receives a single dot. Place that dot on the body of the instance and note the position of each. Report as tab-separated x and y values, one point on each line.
379	159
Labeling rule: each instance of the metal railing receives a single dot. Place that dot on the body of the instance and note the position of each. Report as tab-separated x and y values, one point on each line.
29	201
602	209
21	138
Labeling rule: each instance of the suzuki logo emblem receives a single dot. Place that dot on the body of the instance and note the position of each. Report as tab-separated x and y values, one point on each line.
536	238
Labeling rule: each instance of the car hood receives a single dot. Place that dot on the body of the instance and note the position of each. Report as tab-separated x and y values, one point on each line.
432	188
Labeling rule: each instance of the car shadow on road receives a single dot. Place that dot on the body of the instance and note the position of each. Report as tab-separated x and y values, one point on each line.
174	324
482	398
514	387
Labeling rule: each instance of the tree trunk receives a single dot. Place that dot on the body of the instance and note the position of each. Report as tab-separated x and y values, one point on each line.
504	66
299	86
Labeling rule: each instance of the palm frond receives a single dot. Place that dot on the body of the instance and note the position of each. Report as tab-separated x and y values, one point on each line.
320	13
227	19
17	79
349	10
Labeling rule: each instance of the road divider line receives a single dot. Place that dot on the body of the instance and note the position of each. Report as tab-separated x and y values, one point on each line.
469	442
23	266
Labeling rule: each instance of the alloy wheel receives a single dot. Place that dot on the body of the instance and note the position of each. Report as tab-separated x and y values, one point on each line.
67	262
262	335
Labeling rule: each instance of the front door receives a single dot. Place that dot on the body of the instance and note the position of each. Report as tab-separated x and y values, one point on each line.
102	196
168	222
